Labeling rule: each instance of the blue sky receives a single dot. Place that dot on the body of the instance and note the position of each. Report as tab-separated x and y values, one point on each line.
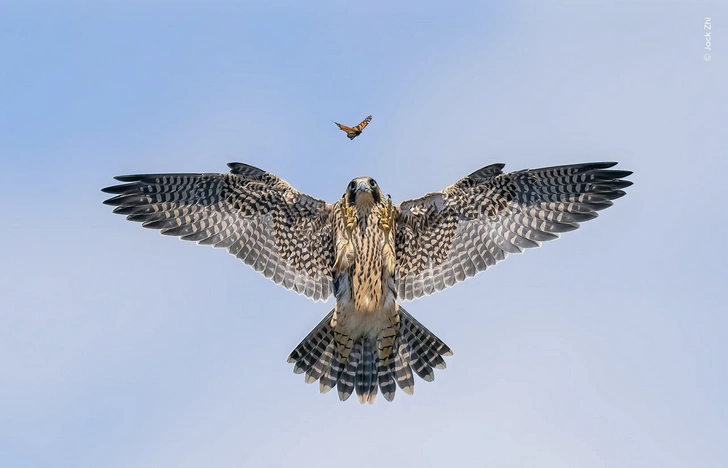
124	348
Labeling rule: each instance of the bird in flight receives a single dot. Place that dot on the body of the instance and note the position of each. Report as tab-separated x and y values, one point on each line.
353	132
369	253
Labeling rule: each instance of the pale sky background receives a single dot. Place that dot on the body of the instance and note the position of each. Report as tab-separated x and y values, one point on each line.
123	348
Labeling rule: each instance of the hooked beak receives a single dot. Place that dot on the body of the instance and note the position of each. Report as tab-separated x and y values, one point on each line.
363	187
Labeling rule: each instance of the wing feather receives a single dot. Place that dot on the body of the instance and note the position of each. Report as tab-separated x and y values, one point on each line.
446	237
259	218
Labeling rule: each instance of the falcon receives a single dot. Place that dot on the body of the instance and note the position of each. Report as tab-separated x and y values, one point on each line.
369	253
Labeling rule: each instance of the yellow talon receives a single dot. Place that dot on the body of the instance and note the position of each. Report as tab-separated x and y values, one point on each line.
386	221
349	219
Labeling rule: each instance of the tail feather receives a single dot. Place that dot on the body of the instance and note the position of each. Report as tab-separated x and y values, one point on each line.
310	349
386	339
404	349
320	364
386	378
421	368
431	348
366	382
345	387
402	371
344	346
333	373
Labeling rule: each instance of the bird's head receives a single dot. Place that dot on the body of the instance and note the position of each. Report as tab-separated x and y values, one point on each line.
363	192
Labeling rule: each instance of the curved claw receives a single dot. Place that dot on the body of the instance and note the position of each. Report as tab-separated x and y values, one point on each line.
349	219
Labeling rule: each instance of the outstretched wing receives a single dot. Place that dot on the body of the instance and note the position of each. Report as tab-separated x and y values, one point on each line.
348	130
258	217
444	238
363	124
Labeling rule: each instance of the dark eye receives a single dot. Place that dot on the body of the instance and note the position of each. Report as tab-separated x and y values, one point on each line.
372	183
352	185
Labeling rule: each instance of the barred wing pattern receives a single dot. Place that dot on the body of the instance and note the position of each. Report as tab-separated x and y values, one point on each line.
258	217
444	238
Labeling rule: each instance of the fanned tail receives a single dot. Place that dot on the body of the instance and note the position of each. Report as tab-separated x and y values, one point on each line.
309	354
406	347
